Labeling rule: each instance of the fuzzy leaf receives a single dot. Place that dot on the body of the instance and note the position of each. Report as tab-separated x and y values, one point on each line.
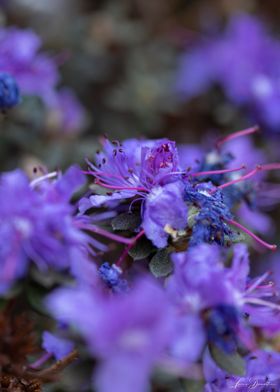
126	221
161	265
142	249
231	363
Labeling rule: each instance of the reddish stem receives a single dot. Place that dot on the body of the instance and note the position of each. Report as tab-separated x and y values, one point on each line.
237	134
127	249
105	233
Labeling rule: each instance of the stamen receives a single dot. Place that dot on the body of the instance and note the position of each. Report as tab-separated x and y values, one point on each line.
257	282
43	178
258	168
104	233
242	178
261	302
237	134
212	172
254	236
127	249
120	188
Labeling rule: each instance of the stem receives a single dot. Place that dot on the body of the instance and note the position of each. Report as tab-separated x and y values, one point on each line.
254	236
237	134
104	233
127	249
40	361
57	367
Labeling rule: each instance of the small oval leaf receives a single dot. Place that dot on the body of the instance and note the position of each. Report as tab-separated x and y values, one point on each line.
161	265
126	221
142	249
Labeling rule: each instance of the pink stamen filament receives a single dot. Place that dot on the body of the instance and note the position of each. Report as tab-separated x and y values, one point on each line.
121	188
222	171
104	233
237	134
257	283
258	168
100	174
127	249
261	302
245	177
254	236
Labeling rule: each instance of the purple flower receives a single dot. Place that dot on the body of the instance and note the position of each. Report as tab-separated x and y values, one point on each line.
249	75
128	333
9	91
111	275
67	112
35	73
146	171
165	208
227	314
56	346
38	223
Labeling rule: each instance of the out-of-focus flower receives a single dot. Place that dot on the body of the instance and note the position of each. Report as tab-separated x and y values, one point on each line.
67	114
226	315
249	75
9	91
128	333
36	73
38	223
56	346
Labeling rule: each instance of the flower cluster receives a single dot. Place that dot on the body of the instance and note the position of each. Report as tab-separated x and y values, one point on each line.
26	70
157	263
142	259
248	74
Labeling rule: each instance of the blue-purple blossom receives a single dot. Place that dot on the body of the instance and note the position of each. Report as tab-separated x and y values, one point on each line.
164	208
66	113
149	173
38	223
35	72
248	74
58	347
128	333
9	91
227	314
111	275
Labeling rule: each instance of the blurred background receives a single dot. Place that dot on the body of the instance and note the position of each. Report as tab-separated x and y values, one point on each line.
124	61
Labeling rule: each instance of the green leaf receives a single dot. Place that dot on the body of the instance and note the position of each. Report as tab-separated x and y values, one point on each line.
194	385
126	221
231	363
142	249
161	265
